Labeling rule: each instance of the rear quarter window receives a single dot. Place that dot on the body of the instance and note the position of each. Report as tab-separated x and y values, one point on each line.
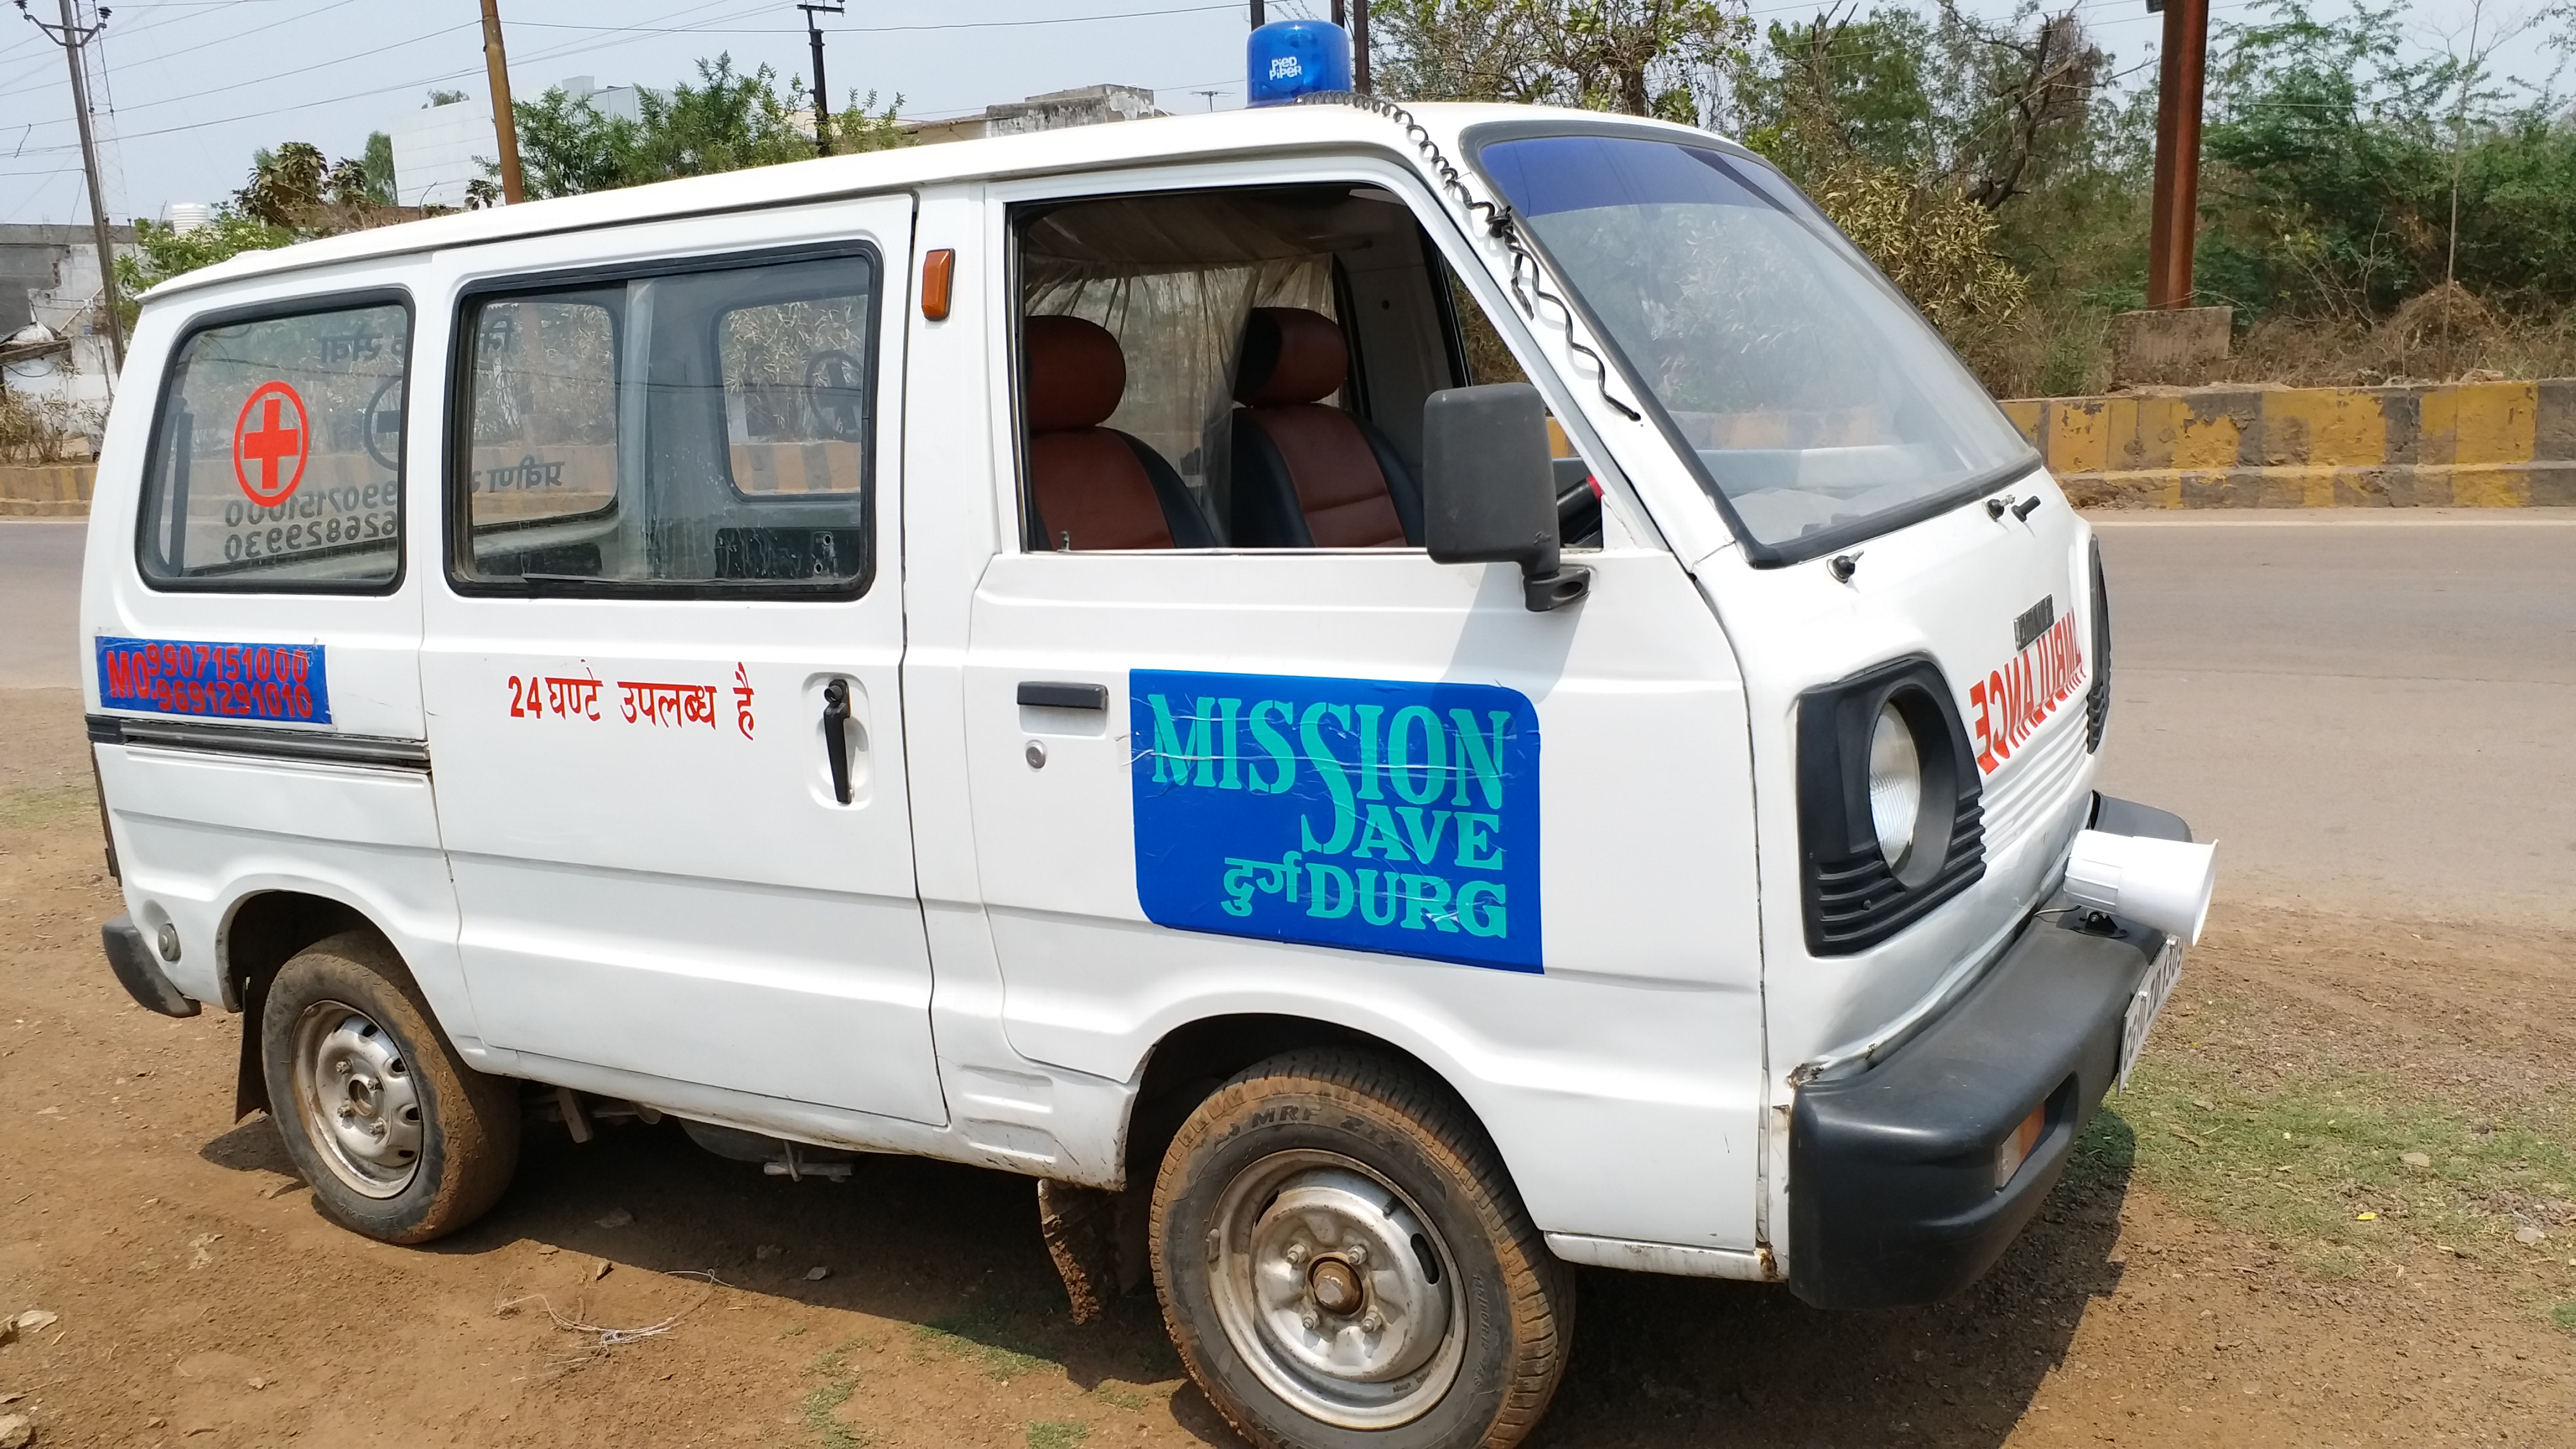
276	459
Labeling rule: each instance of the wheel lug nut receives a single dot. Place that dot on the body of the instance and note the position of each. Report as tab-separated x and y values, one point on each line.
1356	1252
1296	1254
1308	1318
1370	1322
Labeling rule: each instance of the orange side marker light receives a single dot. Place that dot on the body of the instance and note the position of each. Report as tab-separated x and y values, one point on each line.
938	271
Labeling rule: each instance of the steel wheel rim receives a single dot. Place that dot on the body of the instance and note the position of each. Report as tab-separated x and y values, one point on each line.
358	1098
1335	1290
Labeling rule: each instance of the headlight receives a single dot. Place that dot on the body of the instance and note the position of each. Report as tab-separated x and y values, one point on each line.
1890	823
1895	786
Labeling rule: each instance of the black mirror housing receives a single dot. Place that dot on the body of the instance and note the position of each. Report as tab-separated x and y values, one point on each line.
1489	488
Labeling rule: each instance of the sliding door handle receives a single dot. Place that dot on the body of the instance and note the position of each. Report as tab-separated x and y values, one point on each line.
836	736
1049	694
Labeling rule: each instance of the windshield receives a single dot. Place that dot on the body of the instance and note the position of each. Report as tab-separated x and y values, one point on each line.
1820	406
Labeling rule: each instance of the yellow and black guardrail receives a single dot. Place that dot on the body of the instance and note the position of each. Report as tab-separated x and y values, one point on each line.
2451	445
45	490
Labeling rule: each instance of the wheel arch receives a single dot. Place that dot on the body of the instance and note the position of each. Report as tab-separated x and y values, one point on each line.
262	932
1191	1060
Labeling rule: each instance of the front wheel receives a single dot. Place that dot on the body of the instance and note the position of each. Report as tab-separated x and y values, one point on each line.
399	1138
1343	1262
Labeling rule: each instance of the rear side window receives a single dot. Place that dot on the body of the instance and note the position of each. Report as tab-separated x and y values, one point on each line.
706	431
276	462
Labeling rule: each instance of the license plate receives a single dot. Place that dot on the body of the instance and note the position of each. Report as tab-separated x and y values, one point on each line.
2149	1001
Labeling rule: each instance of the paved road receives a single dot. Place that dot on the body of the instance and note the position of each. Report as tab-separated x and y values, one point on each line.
40	603
2370	711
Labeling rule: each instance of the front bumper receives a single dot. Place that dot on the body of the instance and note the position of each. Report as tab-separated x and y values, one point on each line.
1892	1196
130	957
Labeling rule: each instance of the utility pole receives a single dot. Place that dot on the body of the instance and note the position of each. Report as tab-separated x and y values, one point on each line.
71	35
1359	46
2176	217
822	105
1352	15
1259	15
505	125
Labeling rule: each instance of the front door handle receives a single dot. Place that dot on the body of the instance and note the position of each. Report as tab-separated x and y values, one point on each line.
1048	694
836	736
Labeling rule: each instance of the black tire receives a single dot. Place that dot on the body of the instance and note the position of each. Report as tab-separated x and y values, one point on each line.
1313	1115
445	1138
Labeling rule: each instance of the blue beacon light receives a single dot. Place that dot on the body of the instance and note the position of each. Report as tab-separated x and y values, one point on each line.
1291	58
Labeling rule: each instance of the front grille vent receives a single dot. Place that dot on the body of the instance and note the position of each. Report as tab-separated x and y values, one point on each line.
1858	902
2097	700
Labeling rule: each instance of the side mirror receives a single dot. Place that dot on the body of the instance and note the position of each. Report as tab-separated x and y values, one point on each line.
1489	488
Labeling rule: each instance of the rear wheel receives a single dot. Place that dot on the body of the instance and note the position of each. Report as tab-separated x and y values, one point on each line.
400	1139
1342	1261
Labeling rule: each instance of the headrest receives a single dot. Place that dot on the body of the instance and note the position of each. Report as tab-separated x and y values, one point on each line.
1290	355
1076	373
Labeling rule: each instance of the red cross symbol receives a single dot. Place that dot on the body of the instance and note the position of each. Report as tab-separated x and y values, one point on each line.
261	453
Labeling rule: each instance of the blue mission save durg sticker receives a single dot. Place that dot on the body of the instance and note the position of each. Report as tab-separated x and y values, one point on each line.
1373	814
285	683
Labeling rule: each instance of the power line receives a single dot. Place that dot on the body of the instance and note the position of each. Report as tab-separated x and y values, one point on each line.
576	48
868	29
73	36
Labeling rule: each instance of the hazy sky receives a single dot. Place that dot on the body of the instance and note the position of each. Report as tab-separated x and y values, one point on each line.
192	87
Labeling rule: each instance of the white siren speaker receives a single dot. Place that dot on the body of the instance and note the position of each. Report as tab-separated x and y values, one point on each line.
2161	883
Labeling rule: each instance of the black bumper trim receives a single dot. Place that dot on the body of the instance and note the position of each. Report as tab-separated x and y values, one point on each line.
258	742
1892	1198
130	957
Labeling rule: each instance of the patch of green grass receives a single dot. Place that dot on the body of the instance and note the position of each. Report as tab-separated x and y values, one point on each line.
1121	1396
1058	1434
2564	1315
989	1334
46	809
2316	1157
818	1415
832	1394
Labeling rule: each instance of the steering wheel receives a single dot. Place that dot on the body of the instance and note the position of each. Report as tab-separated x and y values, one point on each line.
835	392
381	421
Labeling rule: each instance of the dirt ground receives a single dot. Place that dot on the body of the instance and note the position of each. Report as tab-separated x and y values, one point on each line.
202	1302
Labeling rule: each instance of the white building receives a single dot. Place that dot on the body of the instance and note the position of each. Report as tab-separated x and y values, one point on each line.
53	337
620	102
438	149
1084	106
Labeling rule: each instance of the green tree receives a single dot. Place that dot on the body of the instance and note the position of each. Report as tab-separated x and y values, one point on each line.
726	122
162	251
2333	154
1642	57
1994	110
377	165
287	185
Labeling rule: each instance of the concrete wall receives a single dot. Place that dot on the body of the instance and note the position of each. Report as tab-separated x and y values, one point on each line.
2468	445
46	490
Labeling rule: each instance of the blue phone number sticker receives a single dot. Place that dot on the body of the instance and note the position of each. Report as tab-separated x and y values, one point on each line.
281	683
1372	814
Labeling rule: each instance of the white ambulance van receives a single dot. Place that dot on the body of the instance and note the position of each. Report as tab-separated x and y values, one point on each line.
1387	702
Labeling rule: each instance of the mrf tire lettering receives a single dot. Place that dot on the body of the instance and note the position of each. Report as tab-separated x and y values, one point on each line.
470	1146
1518	1299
